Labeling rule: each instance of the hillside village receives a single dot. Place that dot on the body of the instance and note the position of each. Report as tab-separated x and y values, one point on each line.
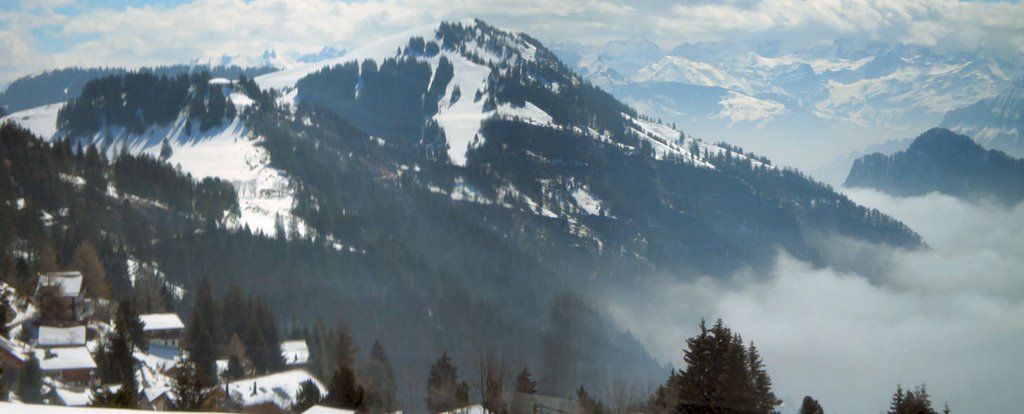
58	336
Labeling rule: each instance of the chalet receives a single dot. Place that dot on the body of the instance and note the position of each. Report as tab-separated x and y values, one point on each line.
162	329
55	336
156	399
268	394
70	365
68	398
60	297
320	409
295	353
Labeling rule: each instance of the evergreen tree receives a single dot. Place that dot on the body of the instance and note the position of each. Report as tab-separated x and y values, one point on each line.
344	347
525	383
764	400
235	369
202	342
443	387
811	406
343	391
5	313
380	381
128	324
308	396
31	381
188	388
916	401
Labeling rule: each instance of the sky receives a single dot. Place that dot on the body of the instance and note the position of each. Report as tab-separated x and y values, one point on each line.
42	34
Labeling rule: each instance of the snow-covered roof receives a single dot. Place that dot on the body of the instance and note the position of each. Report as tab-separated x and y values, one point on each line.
295	352
57	336
72	398
70	283
15	348
319	409
152	393
472	409
59	359
16	408
161	321
280	389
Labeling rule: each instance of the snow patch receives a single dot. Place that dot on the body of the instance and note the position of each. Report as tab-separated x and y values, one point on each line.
737	108
41	120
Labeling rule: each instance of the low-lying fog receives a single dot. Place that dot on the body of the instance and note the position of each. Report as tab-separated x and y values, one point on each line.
951	316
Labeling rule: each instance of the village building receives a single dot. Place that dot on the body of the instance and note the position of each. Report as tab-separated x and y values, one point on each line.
70	365
268	394
56	336
162	329
60	297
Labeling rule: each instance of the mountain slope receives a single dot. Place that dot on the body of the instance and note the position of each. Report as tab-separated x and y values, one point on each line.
995	122
941	160
459	169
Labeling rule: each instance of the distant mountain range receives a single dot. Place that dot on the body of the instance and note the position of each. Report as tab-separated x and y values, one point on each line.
996	122
943	161
802	107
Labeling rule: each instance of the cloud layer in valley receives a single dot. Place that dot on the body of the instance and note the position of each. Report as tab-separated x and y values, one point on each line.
951	317
37	35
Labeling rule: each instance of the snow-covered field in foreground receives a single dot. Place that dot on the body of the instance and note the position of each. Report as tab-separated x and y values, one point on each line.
13	408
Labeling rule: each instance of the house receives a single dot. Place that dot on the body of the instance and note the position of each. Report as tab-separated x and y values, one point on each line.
69	398
55	336
320	409
60	297
295	353
162	329
268	394
155	398
70	365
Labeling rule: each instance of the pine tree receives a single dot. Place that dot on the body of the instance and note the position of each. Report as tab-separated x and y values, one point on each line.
443	386
308	396
202	342
188	388
380	381
811	406
31	381
525	383
764	400
344	392
5	314
128	323
344	348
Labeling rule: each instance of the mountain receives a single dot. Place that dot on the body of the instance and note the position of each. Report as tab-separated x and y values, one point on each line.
944	161
452	187
995	122
802	106
57	86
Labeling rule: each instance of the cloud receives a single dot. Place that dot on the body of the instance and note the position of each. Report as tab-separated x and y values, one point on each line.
952	316
148	35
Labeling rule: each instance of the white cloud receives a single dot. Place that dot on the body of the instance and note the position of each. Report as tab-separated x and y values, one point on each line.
952	316
149	35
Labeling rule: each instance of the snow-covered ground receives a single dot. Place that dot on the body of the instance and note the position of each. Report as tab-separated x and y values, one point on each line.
41	120
230	152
